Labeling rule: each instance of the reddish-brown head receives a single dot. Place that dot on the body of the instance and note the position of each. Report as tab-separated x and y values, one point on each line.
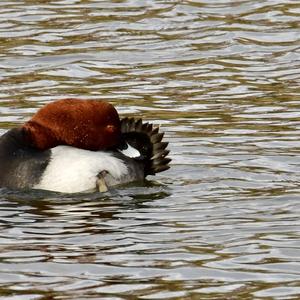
85	124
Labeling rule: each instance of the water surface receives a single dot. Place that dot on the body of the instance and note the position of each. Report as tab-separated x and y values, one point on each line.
222	79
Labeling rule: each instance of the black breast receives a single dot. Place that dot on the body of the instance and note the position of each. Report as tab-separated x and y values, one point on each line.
21	166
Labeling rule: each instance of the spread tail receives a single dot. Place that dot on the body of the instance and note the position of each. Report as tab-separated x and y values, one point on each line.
148	141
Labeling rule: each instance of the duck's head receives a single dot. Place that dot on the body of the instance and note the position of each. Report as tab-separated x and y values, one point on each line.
85	124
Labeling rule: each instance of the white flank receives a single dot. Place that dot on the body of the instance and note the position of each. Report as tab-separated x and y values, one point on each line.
73	170
130	151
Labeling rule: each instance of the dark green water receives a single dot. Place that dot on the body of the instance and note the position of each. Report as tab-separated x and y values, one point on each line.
222	79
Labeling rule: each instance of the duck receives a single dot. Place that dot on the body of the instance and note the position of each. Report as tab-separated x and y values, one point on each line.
78	145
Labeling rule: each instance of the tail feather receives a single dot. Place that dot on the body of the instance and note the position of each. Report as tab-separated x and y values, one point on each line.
157	160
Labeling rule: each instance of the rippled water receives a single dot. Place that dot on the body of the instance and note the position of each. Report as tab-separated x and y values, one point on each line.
222	78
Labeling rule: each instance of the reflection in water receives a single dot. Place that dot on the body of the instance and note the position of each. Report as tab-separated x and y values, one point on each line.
222	79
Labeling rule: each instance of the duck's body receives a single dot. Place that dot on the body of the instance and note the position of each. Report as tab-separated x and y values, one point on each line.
21	165
63	175
133	151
